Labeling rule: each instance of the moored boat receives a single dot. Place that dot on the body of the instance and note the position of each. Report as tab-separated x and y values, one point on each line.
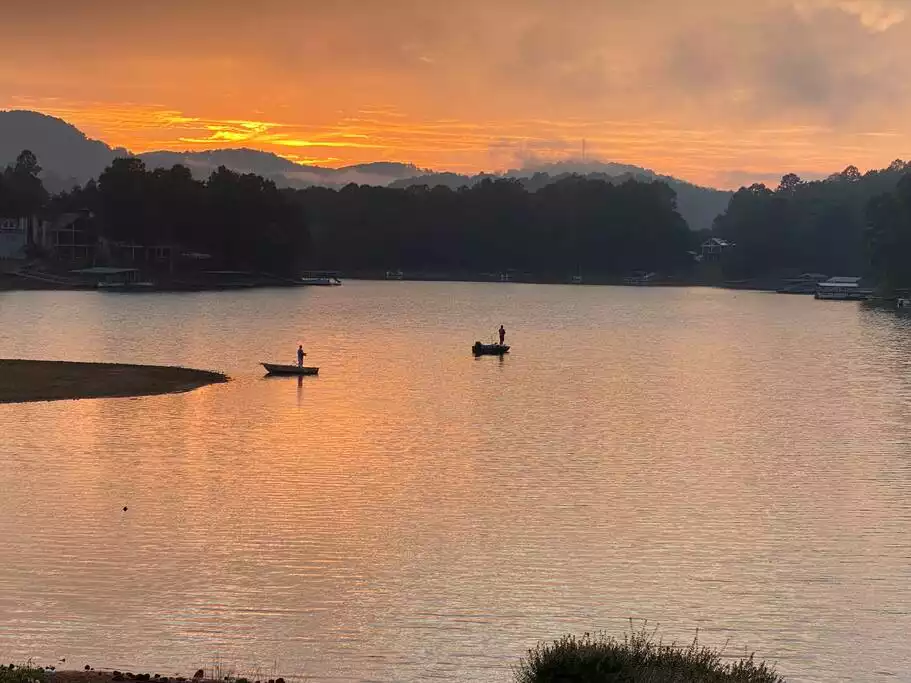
276	369
320	278
480	349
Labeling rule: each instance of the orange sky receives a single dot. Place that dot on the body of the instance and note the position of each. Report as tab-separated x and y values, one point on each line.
719	92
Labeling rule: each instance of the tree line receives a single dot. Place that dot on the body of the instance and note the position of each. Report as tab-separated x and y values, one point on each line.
242	220
573	225
849	223
822	226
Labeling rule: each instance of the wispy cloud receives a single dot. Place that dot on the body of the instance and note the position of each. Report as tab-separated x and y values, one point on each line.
692	88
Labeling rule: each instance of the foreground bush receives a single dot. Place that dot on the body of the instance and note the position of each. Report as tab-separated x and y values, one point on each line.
21	674
638	658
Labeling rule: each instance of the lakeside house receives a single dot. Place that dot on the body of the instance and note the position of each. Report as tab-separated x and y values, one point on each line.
843	289
714	249
805	283
70	237
138	254
15	236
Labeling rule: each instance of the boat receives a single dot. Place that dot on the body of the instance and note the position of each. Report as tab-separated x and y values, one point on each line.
395	275
275	369
320	279
640	279
115	279
125	286
480	349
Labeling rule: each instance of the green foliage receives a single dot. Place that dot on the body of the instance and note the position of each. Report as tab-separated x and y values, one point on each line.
244	221
638	658
575	223
888	236
807	226
22	674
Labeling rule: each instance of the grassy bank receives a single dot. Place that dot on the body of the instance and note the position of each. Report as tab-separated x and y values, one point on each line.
24	381
638	658
22	674
28	673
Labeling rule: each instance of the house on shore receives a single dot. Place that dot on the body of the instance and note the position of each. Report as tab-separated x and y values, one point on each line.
805	283
15	235
843	289
70	237
713	250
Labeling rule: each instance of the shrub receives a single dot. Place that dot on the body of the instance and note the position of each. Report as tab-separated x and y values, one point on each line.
638	658
22	674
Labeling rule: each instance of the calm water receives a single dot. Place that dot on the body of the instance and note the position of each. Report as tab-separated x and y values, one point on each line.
736	463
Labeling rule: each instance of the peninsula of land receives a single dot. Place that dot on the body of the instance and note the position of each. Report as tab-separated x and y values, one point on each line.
23	381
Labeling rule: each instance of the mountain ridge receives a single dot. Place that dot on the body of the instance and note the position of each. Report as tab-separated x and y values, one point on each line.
69	158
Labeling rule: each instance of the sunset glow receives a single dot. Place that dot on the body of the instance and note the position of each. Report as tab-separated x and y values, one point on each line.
719	93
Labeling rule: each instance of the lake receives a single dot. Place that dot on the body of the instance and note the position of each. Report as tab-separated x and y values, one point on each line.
736	463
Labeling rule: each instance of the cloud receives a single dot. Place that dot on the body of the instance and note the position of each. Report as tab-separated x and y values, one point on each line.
680	86
875	15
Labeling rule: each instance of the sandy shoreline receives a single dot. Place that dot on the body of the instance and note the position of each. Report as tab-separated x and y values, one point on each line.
25	381
109	676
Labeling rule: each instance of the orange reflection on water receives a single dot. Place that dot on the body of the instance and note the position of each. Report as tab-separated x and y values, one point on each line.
696	457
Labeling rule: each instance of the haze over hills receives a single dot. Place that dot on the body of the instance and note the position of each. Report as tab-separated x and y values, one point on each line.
70	158
698	205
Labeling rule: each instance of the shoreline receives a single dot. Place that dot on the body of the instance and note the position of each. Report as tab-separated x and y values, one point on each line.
14	284
90	675
31	381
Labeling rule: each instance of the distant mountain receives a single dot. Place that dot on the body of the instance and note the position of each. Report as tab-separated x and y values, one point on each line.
241	160
66	154
285	173
70	158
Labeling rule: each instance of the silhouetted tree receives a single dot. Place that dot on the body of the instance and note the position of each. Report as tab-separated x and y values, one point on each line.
498	224
889	236
21	191
808	226
244	220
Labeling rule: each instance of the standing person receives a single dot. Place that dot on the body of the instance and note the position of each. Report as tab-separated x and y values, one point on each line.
502	335
300	355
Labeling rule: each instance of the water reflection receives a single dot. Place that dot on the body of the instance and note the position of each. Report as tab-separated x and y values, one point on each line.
735	462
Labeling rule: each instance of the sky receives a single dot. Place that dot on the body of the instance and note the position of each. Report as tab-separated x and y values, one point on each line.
719	92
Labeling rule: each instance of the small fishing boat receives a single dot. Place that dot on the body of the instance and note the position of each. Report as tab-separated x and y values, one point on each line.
480	349
274	369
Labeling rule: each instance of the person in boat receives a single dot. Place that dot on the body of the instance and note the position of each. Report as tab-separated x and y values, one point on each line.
300	355
502	335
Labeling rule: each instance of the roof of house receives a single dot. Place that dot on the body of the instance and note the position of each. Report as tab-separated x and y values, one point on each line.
104	270
65	220
716	242
847	283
